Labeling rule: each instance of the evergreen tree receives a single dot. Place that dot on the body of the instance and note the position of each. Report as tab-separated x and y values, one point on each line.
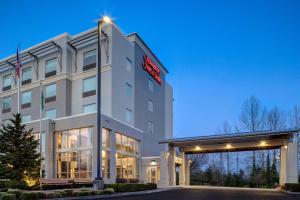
19	157
268	170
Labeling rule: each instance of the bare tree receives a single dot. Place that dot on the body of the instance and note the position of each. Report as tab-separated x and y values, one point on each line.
252	118
276	119
252	115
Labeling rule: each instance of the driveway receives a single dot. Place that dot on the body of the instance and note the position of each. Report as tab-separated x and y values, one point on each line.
213	193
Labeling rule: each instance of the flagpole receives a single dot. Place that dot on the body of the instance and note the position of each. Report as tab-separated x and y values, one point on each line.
19	94
41	115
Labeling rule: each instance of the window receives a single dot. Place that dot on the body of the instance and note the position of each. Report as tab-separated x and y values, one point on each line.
51	114
89	60
26	75
7	80
127	157
150	106
150	127
26	99
106	137
26	118
128	64
128	115
51	66
6	104
128	90
50	91
89	86
150	85
89	108
74	153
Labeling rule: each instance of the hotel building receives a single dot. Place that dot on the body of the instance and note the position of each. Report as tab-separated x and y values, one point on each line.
136	104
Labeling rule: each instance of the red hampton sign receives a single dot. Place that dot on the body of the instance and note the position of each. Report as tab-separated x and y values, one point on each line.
151	68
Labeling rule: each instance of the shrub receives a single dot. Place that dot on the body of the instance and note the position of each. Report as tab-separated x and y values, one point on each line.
2	193
108	191
17	192
61	193
42	195
131	187
75	193
69	192
15	184
29	196
99	192
8	197
3	183
293	187
53	195
84	193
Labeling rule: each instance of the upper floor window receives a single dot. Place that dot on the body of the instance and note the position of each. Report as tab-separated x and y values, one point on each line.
150	85
50	91
89	86
26	118
128	115
7	80
89	60
128	64
51	113
128	90
51	66
6	104
150	127
26	99
26	75
89	108
150	106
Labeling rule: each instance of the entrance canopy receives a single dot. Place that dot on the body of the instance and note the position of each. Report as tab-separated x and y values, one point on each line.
233	142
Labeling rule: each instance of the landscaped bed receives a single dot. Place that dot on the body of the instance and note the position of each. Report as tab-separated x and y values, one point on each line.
291	187
18	194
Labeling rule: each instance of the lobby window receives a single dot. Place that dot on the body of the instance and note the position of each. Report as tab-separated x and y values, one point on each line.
150	85
128	64
128	90
106	144
89	86
89	108
6	104
50	93
74	153
26	118
127	157
51	113
128	115
7	80
89	60
50	67
150	127
26	99
150	106
26	75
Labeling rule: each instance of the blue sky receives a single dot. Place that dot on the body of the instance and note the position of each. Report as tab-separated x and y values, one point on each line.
218	52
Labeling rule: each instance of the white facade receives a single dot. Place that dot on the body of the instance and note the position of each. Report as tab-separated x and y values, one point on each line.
132	131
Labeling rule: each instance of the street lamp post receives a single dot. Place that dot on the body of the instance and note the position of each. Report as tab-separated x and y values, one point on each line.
98	182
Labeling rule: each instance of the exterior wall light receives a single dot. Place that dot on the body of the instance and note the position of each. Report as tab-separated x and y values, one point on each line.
263	143
285	146
197	148
153	162
228	146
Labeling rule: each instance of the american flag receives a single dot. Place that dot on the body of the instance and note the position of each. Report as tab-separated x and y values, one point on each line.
18	64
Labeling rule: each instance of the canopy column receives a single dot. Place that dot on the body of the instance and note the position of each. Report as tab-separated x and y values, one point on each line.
171	165
182	167
288	164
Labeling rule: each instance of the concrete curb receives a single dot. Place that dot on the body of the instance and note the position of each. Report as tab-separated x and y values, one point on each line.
289	192
104	196
230	188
